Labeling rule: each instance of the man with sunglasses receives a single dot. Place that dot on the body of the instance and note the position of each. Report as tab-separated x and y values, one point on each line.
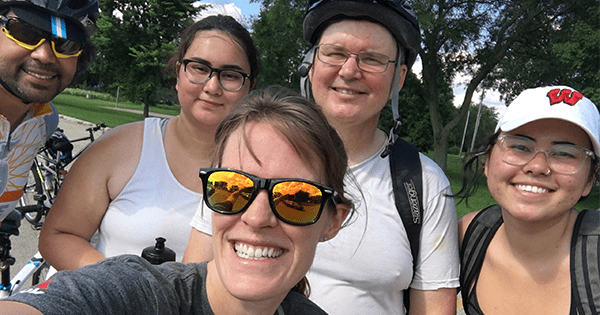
361	51
44	45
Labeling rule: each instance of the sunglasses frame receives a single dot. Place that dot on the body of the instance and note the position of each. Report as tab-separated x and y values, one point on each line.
4	20
267	184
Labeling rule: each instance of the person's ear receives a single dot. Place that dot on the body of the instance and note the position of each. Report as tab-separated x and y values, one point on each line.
403	73
336	222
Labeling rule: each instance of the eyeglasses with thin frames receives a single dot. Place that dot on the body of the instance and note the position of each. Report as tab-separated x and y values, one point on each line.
335	55
562	158
31	37
199	73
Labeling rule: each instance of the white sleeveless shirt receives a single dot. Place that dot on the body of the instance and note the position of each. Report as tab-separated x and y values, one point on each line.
152	204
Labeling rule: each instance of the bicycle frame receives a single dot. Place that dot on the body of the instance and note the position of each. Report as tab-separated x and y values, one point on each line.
15	284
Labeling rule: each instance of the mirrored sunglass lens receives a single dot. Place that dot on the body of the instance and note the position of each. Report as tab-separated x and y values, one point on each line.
24	33
228	191
297	201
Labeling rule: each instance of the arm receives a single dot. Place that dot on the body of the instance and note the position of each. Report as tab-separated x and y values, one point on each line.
95	178
11	307
440	301
199	247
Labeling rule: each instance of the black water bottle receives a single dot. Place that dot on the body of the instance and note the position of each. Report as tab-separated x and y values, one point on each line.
158	253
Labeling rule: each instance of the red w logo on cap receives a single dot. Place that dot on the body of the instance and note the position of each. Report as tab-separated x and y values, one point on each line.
557	95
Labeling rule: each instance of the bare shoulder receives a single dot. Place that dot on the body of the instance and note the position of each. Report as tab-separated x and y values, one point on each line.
463	224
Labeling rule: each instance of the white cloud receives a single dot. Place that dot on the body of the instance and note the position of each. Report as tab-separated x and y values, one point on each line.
224	9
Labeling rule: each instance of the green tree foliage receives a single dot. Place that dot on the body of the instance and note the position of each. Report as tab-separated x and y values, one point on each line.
134	37
567	53
278	38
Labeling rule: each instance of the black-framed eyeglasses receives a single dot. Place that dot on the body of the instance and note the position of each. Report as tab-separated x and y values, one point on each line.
335	55
293	201
31	37
562	158
199	73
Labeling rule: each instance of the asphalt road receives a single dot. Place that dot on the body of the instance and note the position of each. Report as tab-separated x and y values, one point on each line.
25	245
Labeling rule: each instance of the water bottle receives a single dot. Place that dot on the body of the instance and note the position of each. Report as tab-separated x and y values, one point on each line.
158	253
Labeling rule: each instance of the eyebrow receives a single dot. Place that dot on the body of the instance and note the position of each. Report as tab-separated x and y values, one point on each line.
208	63
553	142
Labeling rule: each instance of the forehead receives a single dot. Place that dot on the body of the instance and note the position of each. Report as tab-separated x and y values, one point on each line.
266	153
361	33
218	48
554	130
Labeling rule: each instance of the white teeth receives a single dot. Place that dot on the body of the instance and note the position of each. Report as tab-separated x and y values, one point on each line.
259	253
39	76
533	189
346	91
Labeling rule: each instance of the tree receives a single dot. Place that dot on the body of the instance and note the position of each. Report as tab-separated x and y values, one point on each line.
474	37
278	38
134	37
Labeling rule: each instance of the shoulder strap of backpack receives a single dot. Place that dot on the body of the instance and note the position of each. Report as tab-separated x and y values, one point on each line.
585	263
407	182
477	238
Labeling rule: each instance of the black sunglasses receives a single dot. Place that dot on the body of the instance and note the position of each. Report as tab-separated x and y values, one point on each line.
293	201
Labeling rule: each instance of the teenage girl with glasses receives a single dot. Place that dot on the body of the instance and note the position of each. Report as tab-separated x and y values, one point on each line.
523	256
140	180
275	145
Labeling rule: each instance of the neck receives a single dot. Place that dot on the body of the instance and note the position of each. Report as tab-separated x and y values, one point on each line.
538	242
223	303
361	141
12	108
193	140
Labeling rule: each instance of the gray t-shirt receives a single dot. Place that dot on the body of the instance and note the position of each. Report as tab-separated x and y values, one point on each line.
129	284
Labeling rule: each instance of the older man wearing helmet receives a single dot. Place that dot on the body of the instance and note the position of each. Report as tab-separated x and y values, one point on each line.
360	54
44	45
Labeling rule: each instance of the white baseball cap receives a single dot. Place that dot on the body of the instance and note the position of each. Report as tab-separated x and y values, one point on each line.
559	102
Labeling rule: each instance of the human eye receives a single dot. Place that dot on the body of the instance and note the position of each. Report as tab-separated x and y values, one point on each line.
373	59
565	152
231	75
199	68
519	145
334	52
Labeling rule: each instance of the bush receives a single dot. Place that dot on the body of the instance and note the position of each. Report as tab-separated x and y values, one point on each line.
90	94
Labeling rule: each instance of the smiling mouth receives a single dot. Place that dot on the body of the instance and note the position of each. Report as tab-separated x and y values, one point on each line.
260	253
347	92
39	76
533	189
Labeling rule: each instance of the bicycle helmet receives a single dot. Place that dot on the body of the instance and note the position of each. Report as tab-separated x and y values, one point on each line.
82	13
397	16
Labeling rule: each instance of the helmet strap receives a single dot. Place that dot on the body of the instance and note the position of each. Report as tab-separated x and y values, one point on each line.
9	90
303	69
395	131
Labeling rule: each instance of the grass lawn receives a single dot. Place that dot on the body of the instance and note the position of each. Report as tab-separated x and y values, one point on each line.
96	111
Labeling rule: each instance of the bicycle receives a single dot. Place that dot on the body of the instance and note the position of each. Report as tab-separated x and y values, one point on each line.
47	174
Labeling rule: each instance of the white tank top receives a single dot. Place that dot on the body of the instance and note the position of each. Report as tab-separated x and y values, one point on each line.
152	204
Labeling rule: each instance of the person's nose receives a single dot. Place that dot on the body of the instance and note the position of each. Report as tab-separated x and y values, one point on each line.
350	68
259	213
539	163
213	86
44	53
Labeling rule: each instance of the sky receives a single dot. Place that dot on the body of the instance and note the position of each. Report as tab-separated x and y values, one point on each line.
242	9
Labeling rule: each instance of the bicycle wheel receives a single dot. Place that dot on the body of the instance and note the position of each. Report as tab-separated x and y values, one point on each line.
33	192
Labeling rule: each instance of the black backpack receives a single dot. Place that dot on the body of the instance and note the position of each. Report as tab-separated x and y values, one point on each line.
585	258
407	182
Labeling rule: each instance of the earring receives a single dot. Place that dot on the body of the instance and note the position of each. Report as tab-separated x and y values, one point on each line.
325	239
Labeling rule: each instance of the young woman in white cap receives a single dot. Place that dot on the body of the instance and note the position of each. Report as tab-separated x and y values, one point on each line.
533	253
